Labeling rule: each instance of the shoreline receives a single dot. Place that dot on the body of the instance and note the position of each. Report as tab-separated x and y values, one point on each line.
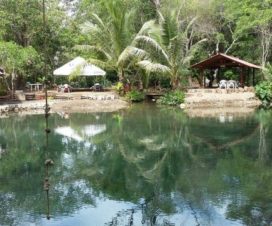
73	103
197	104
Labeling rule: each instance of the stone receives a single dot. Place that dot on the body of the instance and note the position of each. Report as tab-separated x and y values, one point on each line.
182	106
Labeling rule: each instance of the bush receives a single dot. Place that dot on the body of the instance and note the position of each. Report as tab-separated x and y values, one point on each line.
229	75
172	98
264	92
135	96
119	87
3	89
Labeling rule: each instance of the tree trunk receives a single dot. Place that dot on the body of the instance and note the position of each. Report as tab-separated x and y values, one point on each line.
122	75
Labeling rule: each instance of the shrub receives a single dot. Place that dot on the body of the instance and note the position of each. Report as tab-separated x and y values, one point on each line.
119	87
135	96
264	92
229	75
3	88
172	98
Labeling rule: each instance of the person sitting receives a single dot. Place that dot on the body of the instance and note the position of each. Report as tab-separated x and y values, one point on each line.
66	88
97	87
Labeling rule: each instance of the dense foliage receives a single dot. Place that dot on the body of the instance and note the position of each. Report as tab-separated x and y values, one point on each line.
264	92
134	40
172	98
135	96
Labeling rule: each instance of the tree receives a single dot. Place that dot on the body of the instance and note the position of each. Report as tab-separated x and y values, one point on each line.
17	61
170	48
250	18
109	38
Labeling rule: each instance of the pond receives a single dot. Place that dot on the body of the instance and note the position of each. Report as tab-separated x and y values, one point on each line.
141	166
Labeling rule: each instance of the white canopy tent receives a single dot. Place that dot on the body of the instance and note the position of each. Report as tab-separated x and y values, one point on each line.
80	66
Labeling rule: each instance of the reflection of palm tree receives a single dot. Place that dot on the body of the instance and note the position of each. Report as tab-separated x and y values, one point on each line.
264	118
228	144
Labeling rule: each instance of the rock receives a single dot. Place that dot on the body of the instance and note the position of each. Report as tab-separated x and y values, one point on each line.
182	106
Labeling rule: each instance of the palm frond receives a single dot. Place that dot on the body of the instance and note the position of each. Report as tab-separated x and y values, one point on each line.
195	47
89	48
99	21
169	29
153	43
161	18
88	28
103	64
147	26
153	67
131	53
190	24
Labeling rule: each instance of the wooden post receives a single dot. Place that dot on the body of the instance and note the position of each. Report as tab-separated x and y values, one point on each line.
253	77
242	80
202	78
248	77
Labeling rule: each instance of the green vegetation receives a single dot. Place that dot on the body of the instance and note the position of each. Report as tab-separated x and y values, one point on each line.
3	88
119	87
264	92
135	41
172	98
135	96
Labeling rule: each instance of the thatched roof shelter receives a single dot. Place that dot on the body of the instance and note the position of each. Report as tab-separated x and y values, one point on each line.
221	60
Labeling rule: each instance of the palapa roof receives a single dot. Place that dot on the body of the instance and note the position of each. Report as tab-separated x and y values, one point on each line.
223	60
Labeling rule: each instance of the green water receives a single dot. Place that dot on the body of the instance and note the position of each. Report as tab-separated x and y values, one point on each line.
141	166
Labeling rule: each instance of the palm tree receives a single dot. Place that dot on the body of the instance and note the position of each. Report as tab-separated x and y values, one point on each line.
169	49
109	37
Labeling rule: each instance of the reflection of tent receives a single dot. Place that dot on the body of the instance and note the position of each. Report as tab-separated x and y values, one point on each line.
79	66
92	130
87	131
68	132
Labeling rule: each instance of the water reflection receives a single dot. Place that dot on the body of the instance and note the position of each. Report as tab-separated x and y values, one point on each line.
143	166
83	133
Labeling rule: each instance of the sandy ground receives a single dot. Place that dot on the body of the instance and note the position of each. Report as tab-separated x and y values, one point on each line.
92	102
197	103
73	106
224	113
206	99
218	103
70	103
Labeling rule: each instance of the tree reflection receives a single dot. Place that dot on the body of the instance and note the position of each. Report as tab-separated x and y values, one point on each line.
157	158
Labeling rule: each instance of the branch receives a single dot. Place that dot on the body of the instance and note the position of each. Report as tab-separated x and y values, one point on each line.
231	45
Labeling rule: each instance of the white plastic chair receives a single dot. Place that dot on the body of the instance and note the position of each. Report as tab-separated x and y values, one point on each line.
232	84
223	84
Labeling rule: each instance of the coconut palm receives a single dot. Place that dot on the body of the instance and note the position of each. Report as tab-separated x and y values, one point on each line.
170	49
110	37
